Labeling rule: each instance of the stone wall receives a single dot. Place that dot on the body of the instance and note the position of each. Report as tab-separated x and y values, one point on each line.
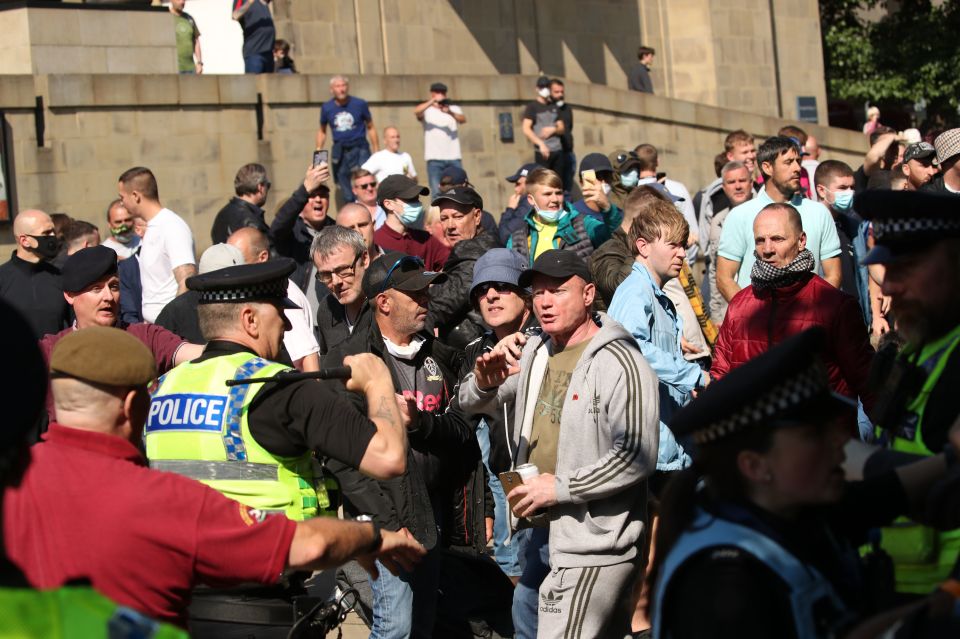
717	52
92	39
196	131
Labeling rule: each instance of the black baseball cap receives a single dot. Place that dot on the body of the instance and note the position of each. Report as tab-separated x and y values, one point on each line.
596	161
559	263
399	271
399	187
523	171
461	195
919	151
438	87
87	266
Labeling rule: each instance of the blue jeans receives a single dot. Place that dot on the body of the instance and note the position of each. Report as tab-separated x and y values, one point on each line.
435	168
258	63
405	605
504	554
344	160
534	554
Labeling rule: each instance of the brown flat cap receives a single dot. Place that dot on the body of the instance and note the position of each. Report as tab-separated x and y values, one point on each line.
103	355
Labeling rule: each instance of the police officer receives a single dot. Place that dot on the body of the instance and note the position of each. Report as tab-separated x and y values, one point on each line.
917	240
256	443
766	548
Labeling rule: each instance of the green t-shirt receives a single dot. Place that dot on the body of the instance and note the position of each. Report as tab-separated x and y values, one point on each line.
187	34
546	415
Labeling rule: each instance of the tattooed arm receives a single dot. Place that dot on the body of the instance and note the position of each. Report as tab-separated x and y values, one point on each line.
386	454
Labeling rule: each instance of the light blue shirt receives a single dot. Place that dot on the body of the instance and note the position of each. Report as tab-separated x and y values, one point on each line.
737	241
646	311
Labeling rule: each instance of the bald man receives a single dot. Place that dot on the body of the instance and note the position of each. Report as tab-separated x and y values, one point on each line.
358	217
300	341
30	281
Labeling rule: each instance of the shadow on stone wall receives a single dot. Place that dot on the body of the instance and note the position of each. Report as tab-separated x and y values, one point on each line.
516	35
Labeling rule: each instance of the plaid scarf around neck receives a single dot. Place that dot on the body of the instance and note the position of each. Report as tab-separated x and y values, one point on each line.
765	276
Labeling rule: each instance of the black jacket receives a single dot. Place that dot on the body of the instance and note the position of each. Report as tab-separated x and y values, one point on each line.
332	325
444	437
237	214
35	289
450	310
291	238
936	185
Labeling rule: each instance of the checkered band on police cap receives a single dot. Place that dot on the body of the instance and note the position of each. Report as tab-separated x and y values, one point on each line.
271	289
908	228
785	396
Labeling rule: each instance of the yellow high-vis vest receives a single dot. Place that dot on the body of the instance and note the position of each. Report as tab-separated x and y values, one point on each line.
198	427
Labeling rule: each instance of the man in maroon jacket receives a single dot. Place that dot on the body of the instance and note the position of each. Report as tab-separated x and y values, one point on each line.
785	297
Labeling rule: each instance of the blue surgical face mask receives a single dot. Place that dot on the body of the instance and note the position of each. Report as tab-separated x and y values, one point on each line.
412	215
843	200
630	178
548	216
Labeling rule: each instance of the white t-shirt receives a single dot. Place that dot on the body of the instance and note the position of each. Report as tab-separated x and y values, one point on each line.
384	163
301	339
440	138
123	251
167	244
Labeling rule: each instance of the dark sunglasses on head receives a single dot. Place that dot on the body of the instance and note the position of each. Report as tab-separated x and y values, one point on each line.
623	157
406	259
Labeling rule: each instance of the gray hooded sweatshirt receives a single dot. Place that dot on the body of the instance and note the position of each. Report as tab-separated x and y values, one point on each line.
607	447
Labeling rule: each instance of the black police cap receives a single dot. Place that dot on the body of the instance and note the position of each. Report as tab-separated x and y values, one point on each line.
87	266
905	222
788	382
263	282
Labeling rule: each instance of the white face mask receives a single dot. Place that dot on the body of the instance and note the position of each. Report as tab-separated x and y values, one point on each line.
559	102
544	92
407	352
606	188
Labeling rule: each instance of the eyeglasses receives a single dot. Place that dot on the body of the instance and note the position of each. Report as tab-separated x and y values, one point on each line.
500	287
344	272
368	185
406	259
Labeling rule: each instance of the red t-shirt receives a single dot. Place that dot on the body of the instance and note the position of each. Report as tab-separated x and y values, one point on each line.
413	242
88	508
161	342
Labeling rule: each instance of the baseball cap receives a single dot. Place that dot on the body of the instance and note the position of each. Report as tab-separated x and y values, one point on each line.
88	265
399	271
399	187
498	265
453	175
596	161
438	87
219	256
543	81
919	151
523	171
461	195
559	263
622	160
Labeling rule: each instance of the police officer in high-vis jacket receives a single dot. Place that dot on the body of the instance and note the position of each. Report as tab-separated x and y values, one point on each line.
917	240
758	538
256	443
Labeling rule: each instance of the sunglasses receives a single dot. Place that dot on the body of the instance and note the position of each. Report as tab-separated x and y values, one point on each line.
500	287
406	259
623	157
368	185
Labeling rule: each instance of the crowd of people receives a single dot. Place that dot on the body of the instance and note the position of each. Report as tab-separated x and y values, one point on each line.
614	409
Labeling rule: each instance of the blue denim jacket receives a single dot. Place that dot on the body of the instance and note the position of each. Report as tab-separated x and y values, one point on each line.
646	311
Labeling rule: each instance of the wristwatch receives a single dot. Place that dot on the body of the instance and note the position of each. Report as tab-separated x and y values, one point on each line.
377	536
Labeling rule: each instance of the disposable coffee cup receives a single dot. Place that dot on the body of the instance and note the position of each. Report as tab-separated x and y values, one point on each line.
527	472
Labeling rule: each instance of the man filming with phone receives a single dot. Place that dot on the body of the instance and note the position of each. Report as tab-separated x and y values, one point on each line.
585	413
441	138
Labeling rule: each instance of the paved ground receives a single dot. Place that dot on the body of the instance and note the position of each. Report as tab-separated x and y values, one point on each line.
353	628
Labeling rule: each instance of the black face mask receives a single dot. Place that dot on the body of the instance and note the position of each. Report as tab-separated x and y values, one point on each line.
48	246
